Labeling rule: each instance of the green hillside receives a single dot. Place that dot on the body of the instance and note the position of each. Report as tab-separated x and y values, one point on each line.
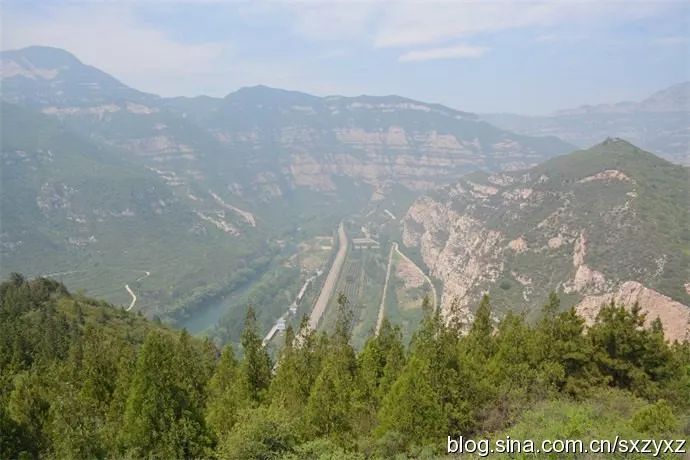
87	214
580	224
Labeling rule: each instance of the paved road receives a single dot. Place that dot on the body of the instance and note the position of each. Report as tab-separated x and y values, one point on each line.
134	296
382	307
331	280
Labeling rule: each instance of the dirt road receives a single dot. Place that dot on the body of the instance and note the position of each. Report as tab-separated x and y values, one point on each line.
428	280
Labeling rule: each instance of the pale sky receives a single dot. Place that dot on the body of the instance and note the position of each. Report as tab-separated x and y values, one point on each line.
488	56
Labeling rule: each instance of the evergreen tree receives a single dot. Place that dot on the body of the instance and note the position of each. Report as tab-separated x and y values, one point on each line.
227	394
329	408
256	365
480	334
160	418
412	407
565	354
628	355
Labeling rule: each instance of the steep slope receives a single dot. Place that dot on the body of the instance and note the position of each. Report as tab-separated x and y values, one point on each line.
309	141
80	210
266	142
659	123
582	224
51	77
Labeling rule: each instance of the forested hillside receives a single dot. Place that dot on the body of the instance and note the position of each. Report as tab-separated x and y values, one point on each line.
81	379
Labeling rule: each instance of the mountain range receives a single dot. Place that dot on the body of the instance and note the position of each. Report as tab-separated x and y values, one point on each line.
659	123
189	208
115	182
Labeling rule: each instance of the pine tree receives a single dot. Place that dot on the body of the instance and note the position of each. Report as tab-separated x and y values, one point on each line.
160	418
629	355
287	387
564	353
412	407
227	394
381	361
329	408
482	327
256	365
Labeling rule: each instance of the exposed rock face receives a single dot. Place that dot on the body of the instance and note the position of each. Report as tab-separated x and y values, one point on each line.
458	249
376	140
674	316
573	225
270	141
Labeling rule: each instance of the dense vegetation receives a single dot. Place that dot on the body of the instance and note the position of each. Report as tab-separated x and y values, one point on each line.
80	379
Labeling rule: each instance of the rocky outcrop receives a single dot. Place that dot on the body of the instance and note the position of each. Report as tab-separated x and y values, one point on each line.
458	249
674	316
572	225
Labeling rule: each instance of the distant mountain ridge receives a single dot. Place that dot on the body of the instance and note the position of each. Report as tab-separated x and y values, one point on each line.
269	141
675	98
659	123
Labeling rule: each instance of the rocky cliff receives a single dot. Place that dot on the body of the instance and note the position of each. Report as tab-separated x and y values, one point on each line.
608	221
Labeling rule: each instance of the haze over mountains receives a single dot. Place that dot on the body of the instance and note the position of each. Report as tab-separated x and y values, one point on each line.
660	123
205	201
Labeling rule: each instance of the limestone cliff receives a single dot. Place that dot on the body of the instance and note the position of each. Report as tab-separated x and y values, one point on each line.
587	225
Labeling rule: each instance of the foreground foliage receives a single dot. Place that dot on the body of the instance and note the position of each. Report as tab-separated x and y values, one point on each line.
80	379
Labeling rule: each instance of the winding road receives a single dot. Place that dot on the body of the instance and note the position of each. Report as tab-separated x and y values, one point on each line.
331	279
131	293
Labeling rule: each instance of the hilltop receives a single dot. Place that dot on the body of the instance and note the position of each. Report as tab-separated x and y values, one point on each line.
582	225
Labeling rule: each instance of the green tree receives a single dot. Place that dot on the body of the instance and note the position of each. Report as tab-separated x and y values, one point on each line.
160	418
261	433
227	394
628	355
329	408
412	407
564	353
256	365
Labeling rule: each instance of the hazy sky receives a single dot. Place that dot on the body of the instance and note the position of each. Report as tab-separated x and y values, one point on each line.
488	56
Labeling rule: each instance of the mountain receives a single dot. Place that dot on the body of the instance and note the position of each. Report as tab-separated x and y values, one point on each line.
183	207
659	123
42	77
81	211
267	141
675	98
583	225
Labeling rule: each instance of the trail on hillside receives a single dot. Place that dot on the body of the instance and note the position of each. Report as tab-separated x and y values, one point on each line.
382	306
331	279
428	280
129	290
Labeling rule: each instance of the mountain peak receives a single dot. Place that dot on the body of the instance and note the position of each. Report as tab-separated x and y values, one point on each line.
42	56
43	76
266	95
